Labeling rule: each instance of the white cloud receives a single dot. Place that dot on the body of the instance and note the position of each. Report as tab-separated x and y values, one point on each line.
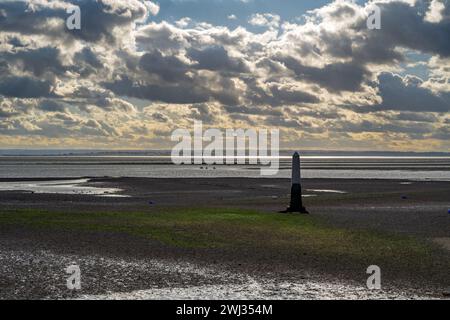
184	22
153	7
265	20
435	13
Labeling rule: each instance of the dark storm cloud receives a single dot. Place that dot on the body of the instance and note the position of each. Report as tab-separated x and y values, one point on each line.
88	56
181	90
282	95
179	93
25	87
202	111
444	134
16	42
235	109
376	127
216	58
334	77
405	26
4	66
277	94
99	18
17	16
51	106
169	68
37	61
407	94
414	117
402	25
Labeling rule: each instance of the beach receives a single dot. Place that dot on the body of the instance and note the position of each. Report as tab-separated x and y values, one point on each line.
222	237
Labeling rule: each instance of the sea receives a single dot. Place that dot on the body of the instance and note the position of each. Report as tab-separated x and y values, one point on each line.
158	164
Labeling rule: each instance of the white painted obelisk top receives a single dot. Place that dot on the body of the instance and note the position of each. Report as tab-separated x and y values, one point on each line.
296	168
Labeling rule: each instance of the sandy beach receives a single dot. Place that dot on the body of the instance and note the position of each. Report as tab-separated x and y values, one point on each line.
408	219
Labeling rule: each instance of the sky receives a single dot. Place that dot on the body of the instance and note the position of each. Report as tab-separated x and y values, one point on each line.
138	70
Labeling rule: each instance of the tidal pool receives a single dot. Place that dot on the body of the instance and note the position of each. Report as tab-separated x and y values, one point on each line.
77	186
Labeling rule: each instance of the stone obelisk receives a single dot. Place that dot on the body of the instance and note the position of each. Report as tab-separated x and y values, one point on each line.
296	204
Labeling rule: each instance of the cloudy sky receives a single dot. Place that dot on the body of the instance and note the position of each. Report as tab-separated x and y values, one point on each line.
137	70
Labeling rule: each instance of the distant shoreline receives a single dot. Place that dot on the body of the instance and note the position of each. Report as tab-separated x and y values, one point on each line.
167	153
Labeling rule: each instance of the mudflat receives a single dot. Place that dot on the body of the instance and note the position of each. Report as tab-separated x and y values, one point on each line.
207	237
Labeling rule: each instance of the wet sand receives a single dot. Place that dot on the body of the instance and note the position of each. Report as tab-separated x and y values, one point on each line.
115	265
106	278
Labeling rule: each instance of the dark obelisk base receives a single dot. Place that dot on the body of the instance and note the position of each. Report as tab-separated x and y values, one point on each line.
296	204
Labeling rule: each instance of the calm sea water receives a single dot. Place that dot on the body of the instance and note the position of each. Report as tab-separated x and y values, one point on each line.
344	167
